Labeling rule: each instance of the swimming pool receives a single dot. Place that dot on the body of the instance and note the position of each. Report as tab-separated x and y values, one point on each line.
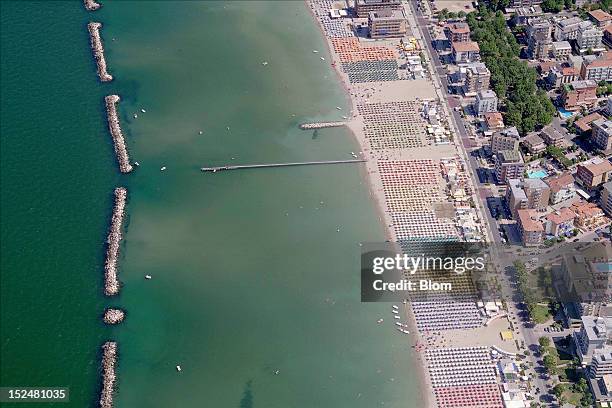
565	114
537	174
603	267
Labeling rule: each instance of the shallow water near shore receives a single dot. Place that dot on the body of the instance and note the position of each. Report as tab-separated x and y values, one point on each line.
250	274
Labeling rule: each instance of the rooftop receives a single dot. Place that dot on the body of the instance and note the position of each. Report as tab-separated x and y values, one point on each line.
578	85
562	45
559	182
560	216
584	124
597	166
600	15
569	21
604	124
528	221
533	140
509	156
387	14
466	46
459	28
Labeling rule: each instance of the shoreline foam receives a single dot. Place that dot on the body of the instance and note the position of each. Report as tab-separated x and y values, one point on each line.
114	127
98	51
111	282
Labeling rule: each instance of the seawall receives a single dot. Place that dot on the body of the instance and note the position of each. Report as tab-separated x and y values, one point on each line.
91	5
111	282
109	361
98	51
115	130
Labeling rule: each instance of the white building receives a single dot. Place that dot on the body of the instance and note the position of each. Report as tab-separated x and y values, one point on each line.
486	101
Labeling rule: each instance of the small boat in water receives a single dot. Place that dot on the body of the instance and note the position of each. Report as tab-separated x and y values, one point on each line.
178	368
397	316
395	311
379	321
147	277
136	164
143	111
398	324
395	307
315	51
163	168
264	63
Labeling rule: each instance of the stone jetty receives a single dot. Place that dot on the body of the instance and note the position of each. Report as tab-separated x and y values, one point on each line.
321	125
98	51
113	316
91	5
109	361
111	282
115	129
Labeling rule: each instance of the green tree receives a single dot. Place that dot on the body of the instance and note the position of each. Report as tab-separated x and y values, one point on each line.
550	363
544	341
558	390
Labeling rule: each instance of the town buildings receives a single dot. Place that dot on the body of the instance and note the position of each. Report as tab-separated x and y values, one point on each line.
387	23
363	7
561	50
593	173
477	78
531	194
597	68
486	101
600	18
507	139
560	222
567	29
593	335
602	134
606	198
589	37
530	228
579	94
508	165
494	121
552	137
539	42
457	32
534	144
464	52
561	188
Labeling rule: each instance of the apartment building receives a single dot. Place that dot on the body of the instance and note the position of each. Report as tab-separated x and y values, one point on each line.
364	7
466	51
387	23
477	78
486	101
457	32
606	198
602	134
508	165
579	94
562	188
597	68
530	228
593	173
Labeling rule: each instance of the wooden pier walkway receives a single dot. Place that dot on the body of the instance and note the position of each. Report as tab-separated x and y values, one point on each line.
255	166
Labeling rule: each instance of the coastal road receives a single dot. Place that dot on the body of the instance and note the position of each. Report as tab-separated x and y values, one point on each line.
508	288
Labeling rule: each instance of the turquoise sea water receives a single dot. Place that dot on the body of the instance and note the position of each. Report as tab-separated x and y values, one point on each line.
250	273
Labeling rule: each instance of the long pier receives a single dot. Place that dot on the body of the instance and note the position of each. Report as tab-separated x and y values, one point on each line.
111	282
109	361
257	166
91	5
115	129
321	125
98	51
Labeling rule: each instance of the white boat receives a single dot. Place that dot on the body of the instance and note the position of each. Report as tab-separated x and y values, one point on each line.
136	164
135	116
379	321
315	51
178	368
395	307
264	63
322	59
398	324
404	331
276	372
143	111
163	168
397	316
395	311
339	108
147	276
200	132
